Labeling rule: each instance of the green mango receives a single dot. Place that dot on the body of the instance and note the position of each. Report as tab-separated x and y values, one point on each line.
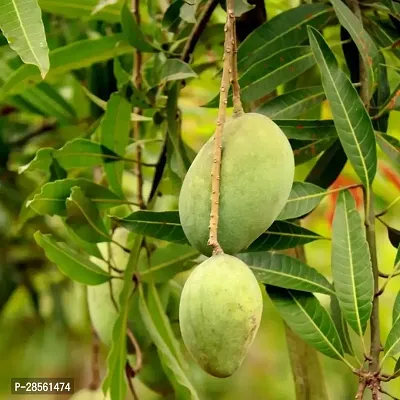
256	178
87	394
219	314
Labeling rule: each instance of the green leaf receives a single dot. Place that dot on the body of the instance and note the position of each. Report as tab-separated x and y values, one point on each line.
392	103
21	23
310	149
174	70
65	59
286	272
392	345
285	30
241	7
81	9
96	100
114	134
42	161
341	326
352	122
84	218
306	317
396	309
187	12
351	264
183	387
307	129
291	104
120	74
283	235
166	262
266	75
303	198
366	46
163	225
114	382
101	4
133	33
52	197
390	146
71	263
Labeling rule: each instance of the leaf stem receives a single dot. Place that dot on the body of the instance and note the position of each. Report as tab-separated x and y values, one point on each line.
383	212
223	102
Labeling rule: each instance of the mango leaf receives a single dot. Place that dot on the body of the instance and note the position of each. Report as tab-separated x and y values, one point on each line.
84	218
42	161
283	235
241	7
392	103
163	225
341	326
394	236
352	122
351	264
21	23
187	12
303	198
307	129
285	30
81	9
77	55
291	104
392	345
390	146
120	74
101	4
51	199
265	75
166	262
305	316
286	272
132	32
183	387
114	382
310	149
366	46
174	70
396	309
114	134
71	263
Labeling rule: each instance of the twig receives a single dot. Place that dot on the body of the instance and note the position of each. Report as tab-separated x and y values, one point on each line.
138	352
223	102
46	126
137	79
383	275
129	375
237	104
95	381
361	389
383	212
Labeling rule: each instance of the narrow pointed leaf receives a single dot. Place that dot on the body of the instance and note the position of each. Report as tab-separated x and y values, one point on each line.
74	56
310	149
42	161
352	122
303	198
266	75
182	385
390	146
71	263
341	326
283	235
366	46
163	225
166	262
307	129
286	272
291	104
392	345
51	199
174	69
306	317
287	29
133	33
114	134
21	23
396	309
351	264
84	218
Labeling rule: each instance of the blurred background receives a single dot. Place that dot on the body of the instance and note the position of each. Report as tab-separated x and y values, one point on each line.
44	324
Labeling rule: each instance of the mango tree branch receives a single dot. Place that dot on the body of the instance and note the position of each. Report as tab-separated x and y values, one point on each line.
223	102
237	103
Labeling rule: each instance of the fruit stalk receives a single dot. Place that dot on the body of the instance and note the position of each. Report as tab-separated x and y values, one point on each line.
223	102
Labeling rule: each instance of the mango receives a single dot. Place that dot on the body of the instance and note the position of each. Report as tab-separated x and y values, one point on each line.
255	181
219	313
87	394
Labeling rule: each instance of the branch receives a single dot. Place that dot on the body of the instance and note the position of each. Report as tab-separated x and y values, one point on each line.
223	102
95	382
383	212
237	104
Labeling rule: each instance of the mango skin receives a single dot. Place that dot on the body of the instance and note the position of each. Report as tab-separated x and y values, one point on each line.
220	313
256	178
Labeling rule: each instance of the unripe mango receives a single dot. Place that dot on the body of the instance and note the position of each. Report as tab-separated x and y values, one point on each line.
87	394
219	314
255	182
